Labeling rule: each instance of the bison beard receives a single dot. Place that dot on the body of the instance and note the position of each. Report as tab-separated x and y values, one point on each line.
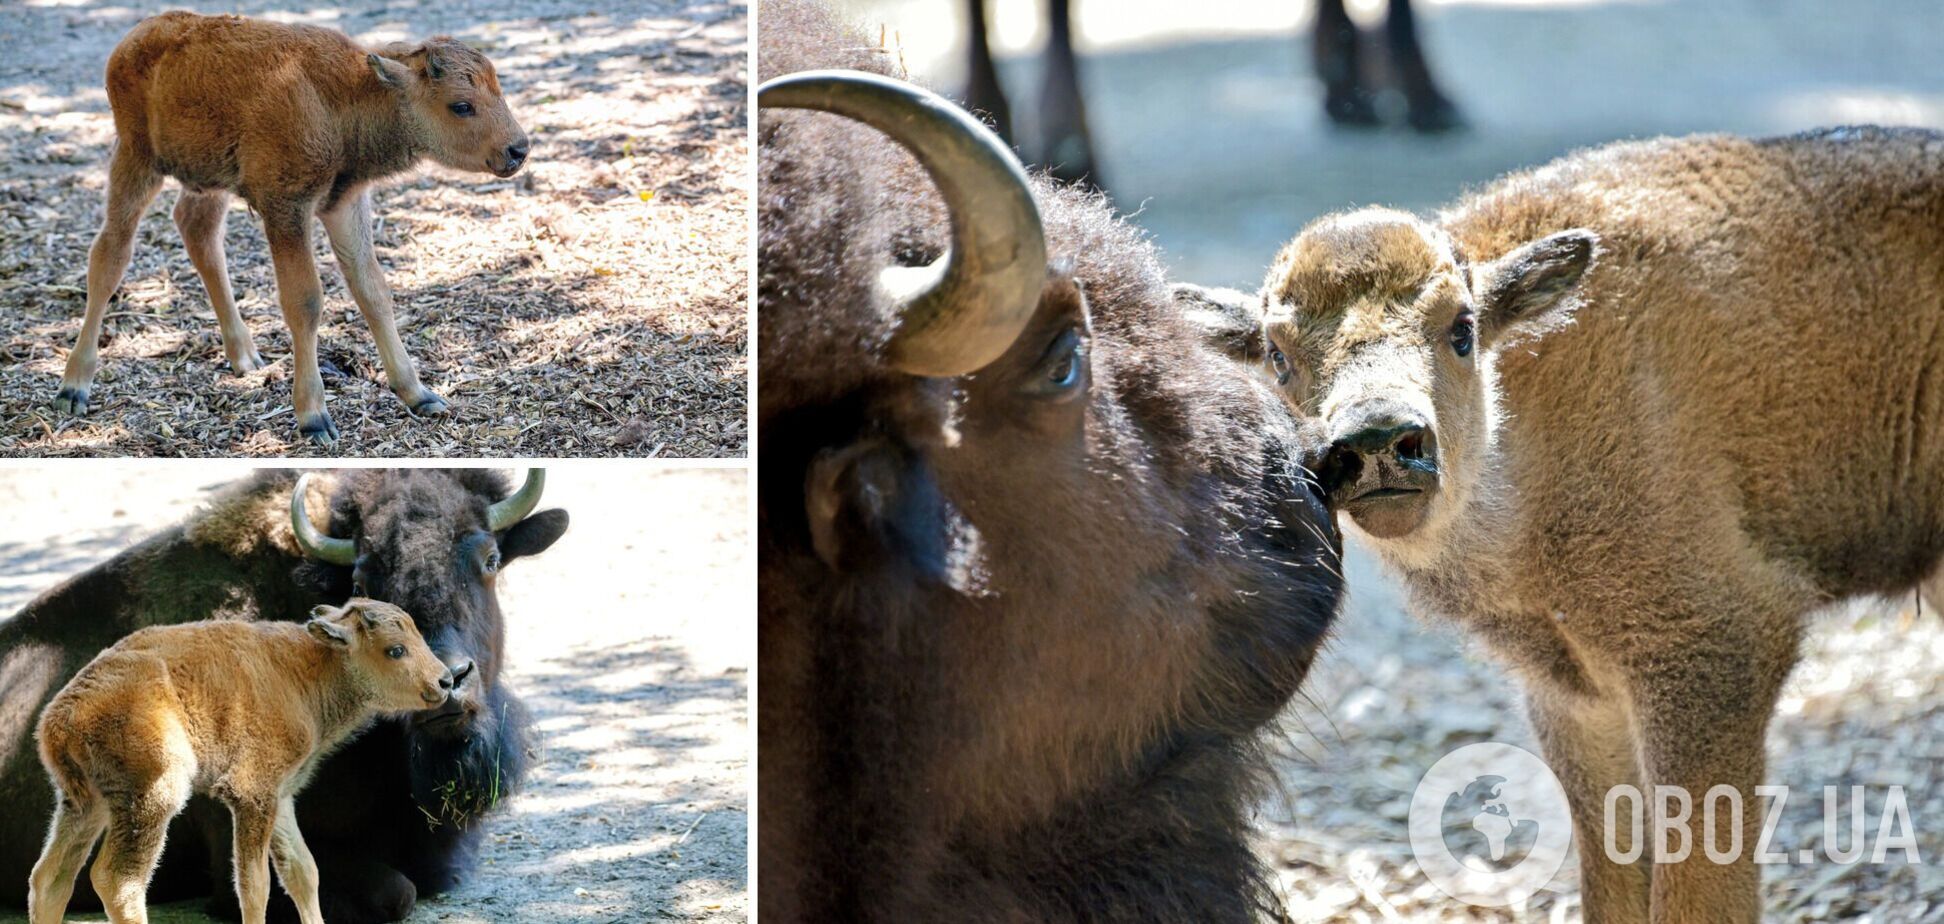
391	817
1016	655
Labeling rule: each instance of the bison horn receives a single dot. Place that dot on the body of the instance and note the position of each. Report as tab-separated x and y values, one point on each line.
962	312
515	508
316	544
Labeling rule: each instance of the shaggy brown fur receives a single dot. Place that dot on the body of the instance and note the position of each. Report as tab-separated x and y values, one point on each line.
1019	636
299	121
241	711
1637	509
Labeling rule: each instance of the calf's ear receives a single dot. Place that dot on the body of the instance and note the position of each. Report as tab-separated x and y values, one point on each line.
1533	286
532	535
1229	320
389	72
326	632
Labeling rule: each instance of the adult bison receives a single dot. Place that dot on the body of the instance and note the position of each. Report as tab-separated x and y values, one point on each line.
393	815
1033	574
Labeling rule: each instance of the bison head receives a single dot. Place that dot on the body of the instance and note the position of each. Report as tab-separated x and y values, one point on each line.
1023	542
453	104
1378	325
433	542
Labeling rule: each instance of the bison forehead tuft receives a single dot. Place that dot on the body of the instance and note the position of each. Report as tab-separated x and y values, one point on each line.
1370	254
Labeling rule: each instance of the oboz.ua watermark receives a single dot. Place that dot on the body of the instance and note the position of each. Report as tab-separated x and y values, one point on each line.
1490	825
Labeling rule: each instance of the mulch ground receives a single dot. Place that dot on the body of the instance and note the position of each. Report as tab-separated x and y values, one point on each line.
593	305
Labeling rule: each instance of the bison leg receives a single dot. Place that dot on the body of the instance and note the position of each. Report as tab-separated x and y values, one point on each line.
349	227
1430	109
132	184
201	217
255	827
302	299
295	865
72	833
1068	142
1589	745
1338	56
983	95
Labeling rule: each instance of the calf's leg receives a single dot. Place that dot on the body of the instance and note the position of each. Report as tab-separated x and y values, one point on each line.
255	826
132	184
1589	745
294	864
349	227
201	217
73	831
137	824
287	226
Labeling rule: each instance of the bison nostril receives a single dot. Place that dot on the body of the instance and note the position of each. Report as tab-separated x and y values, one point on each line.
516	152
445	683
459	673
1411	445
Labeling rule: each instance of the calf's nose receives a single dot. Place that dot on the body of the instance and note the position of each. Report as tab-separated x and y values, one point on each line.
1386	428
516	152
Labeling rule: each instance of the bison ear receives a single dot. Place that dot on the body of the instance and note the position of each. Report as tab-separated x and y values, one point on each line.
870	502
1533	285
327	632
1229	320
532	535
390	73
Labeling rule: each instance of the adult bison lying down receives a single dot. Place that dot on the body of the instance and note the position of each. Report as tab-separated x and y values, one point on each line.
1034	575
299	121
1632	416
393	815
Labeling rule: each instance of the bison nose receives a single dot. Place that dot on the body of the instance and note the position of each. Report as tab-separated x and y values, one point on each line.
456	674
1381	428
516	153
445	682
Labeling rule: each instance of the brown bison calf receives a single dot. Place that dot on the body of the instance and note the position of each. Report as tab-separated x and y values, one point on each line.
299	121
240	711
1631	416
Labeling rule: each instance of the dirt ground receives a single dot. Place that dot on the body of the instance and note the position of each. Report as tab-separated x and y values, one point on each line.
629	640
1210	134
592	305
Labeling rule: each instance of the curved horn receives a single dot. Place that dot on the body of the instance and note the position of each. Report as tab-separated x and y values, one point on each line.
316	544
515	508
963	311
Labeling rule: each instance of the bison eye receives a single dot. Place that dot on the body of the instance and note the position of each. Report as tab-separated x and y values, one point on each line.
1062	368
1463	331
461	108
395	652
1281	362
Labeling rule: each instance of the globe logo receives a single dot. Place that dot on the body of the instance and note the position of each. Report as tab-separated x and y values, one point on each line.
1489	824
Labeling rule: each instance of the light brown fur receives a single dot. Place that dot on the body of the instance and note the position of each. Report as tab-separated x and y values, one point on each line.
240	711
1645	483
299	121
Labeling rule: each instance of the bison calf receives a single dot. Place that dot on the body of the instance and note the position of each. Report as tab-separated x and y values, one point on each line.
1631	416
240	711
299	121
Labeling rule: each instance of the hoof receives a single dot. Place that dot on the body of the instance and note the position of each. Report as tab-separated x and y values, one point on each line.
1436	117
70	400
1352	108
319	427
248	362
428	405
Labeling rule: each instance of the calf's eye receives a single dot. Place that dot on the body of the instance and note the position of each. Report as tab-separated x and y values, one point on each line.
1281	362
395	652
1463	331
461	108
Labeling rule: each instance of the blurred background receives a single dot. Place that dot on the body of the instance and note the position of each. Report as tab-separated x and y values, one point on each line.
1214	128
629	640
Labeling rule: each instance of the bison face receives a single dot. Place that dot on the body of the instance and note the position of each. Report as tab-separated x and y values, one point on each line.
453	96
1022	537
1379	328
433	542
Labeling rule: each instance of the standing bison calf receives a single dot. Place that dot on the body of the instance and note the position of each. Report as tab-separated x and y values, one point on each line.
241	711
299	121
1724	411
